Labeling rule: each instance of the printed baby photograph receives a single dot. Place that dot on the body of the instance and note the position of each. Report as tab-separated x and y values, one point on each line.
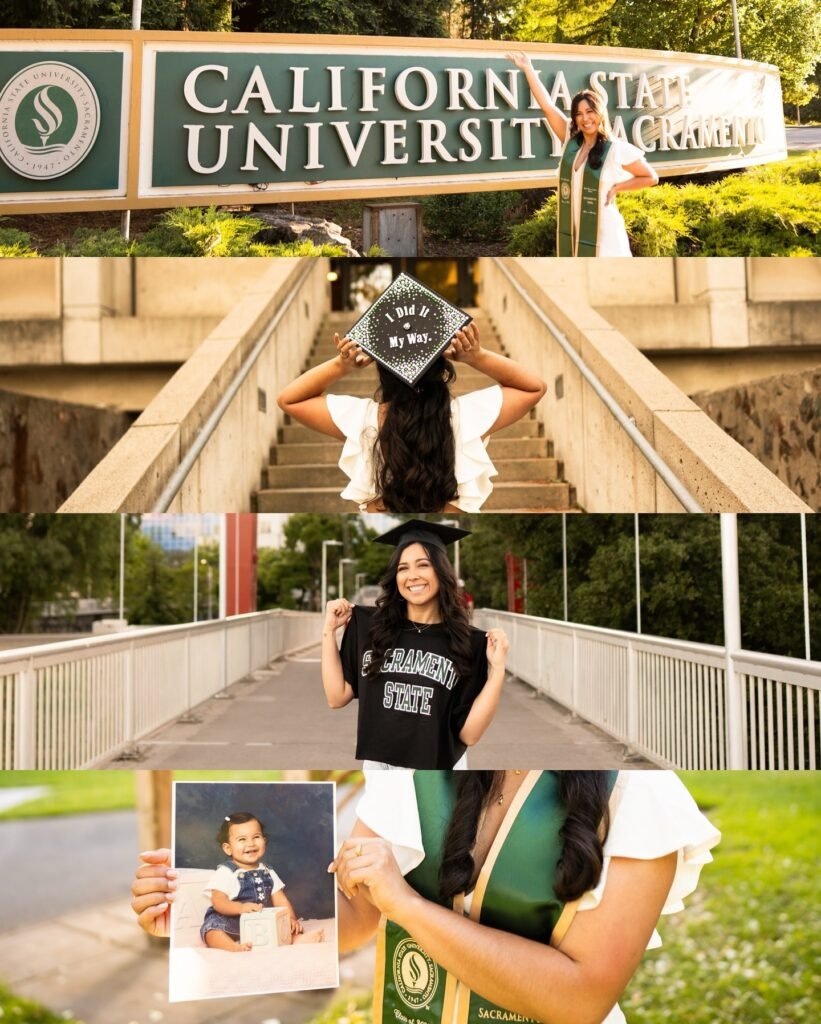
256	910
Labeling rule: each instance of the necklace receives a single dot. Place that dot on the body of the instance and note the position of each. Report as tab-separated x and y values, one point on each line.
500	799
419	628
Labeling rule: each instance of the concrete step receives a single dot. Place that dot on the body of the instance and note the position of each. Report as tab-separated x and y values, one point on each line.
298	434
302	475
326	453
511	497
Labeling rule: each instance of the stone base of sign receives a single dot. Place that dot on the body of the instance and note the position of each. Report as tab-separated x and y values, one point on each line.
395	227
282	227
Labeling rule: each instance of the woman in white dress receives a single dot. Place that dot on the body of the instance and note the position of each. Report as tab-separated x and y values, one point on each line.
503	896
594	168
415	449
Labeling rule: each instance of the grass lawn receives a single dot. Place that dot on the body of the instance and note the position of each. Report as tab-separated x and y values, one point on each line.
748	947
82	792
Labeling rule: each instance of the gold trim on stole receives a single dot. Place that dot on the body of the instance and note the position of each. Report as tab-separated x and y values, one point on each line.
379	973
462	991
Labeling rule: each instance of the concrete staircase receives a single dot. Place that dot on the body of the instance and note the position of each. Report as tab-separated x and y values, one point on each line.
303	474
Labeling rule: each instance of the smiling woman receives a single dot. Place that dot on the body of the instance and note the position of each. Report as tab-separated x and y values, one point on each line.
428	684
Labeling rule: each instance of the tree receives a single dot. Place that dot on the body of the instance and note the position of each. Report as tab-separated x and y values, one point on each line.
51	557
359	17
170	15
786	33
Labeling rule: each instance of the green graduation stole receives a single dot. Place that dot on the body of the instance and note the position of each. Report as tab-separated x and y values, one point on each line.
514	892
585	242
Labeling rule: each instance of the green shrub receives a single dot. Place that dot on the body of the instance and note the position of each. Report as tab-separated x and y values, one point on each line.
14	243
537	235
772	210
470	216
93	242
24	1011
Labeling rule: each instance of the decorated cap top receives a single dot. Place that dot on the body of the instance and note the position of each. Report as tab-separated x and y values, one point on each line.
407	328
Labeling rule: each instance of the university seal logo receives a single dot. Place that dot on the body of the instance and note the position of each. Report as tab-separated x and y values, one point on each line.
415	975
565	190
49	119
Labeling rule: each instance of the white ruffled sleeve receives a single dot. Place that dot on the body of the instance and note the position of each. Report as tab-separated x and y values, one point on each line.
388	807
356	418
473	416
652	815
626	152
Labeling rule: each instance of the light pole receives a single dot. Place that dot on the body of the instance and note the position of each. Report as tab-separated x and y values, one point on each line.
196	575
360	577
736	32
324	586
342	563
209	584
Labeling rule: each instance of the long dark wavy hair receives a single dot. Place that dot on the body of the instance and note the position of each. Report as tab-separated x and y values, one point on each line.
585	796
596	154
414	457
390	618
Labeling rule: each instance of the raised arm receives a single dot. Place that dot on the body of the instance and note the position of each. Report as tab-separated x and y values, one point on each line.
521	389
337	692
484	707
304	399
559	122
578	983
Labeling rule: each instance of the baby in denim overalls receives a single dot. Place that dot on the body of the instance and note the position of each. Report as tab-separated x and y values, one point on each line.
242	884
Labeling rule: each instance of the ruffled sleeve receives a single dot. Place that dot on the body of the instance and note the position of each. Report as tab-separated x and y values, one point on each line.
626	152
356	418
653	815
388	807
473	416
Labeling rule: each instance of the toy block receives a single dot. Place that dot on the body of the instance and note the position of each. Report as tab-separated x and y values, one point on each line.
267	929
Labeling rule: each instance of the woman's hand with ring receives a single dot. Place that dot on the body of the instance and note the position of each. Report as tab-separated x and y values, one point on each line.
370	863
465	345
351	357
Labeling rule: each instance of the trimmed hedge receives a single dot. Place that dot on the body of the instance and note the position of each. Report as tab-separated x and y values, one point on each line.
773	210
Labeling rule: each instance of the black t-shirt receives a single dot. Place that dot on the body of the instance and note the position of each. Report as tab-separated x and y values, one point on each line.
412	712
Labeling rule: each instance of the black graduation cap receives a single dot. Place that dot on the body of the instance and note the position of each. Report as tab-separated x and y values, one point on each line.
407	327
418	531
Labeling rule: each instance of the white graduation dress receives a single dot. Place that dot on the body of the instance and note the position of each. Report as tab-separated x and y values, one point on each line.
613	239
472	416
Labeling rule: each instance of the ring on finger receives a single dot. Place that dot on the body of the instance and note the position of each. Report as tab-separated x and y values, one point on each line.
358	850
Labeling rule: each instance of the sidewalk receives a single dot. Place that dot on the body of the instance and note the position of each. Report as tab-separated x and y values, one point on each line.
277	717
96	965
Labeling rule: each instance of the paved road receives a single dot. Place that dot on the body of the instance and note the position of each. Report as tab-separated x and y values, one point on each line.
63	864
804	138
278	718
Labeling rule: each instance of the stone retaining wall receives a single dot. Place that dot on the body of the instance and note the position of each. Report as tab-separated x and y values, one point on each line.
48	446
778	419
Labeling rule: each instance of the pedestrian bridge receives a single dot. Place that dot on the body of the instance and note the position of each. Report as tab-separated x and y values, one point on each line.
78	703
614	433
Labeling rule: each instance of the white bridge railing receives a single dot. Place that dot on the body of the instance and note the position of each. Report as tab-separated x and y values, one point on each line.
69	705
668	699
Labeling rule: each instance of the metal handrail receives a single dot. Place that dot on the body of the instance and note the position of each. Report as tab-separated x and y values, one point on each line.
178	477
625	422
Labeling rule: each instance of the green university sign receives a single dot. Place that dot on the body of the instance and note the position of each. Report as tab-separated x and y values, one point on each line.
271	118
